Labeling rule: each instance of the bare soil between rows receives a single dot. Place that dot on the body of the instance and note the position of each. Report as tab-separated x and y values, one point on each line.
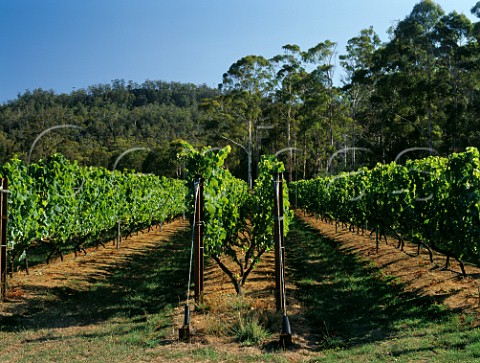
79	272
414	272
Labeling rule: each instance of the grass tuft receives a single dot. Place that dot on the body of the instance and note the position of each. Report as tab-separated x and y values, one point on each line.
249	330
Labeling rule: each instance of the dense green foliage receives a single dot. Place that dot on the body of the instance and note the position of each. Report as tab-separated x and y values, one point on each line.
420	88
64	206
109	119
237	223
435	201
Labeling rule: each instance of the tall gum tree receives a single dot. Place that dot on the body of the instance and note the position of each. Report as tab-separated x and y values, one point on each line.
289	74
456	63
359	81
404	96
320	99
244	89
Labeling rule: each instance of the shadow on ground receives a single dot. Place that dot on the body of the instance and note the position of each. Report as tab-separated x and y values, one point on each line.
348	302
145	283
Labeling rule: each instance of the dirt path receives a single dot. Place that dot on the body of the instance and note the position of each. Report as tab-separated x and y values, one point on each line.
416	273
79	273
39	290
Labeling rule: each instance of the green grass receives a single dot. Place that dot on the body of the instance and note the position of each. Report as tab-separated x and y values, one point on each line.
128	312
249	330
360	315
355	314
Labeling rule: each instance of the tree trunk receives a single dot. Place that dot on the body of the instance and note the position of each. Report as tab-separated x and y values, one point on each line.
249	152
236	283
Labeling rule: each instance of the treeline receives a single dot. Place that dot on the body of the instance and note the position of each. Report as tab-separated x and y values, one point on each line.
110	119
420	88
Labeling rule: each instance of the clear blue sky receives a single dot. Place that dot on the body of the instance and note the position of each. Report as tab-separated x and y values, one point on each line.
67	44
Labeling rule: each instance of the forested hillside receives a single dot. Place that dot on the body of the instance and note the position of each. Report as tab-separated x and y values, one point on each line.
111	119
419	88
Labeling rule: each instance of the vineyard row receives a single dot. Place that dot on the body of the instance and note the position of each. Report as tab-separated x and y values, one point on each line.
62	206
237	223
433	201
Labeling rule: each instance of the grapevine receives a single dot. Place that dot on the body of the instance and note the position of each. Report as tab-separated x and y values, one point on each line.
61	205
237	223
433	201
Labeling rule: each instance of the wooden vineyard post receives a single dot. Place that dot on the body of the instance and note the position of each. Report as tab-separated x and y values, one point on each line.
119	234
198	240
3	233
278	236
280	291
202	247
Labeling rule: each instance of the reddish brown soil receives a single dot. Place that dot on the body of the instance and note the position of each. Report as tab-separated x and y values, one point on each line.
79	272
416	273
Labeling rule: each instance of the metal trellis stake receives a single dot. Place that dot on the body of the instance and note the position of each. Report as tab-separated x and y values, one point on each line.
184	331
3	233
198	238
280	291
277	235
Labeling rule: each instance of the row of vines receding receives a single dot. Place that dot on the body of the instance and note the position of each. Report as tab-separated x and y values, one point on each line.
60	206
433	201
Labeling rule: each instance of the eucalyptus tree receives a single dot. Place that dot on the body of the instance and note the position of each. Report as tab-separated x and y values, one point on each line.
290	72
320	98
360	80
456	81
404	96
321	58
245	86
474	50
